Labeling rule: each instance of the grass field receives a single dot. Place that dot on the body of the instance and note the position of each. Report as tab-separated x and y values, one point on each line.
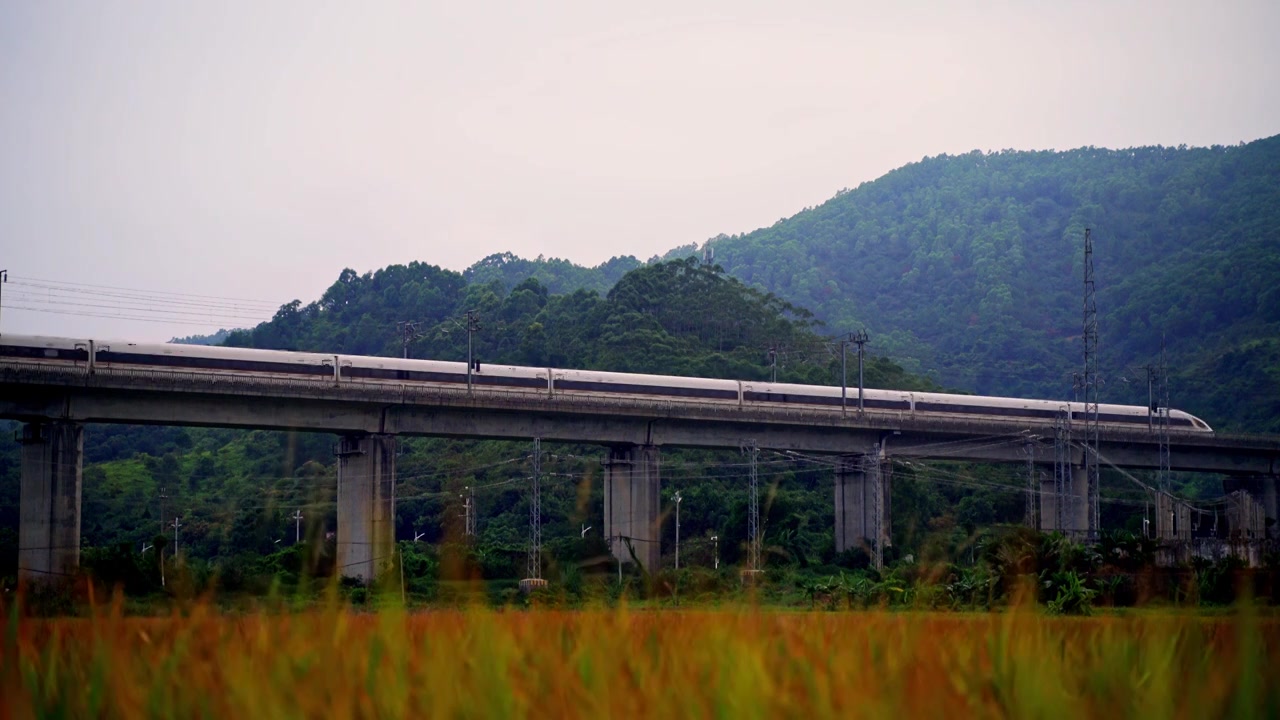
639	663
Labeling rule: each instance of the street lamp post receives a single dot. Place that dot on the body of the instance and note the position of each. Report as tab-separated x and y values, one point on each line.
4	278
678	499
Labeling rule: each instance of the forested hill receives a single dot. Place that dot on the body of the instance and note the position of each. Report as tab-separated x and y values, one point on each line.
557	275
973	263
970	266
677	317
234	490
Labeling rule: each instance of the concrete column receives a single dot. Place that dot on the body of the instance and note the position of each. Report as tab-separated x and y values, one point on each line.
853	501
1076	518
1264	492
49	513
1048	502
856	509
366	504
632	505
1172	518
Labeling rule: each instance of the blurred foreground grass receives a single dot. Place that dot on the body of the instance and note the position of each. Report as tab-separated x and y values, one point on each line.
337	663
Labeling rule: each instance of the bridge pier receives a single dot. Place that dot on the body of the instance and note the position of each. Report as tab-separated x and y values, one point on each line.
366	504
49	500
632	504
859	518
1263	490
1075	501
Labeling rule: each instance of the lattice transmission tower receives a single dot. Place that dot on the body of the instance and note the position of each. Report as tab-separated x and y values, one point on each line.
535	514
1063	497
753	508
1090	383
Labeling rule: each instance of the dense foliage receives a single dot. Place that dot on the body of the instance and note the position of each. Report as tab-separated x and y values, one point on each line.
972	266
557	275
969	268
235	491
966	267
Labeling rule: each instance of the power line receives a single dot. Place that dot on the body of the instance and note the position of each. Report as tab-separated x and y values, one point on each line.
169	321
408	330
138	308
42	293
56	283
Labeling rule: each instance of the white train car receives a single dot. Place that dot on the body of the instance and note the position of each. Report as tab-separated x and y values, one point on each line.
667	387
1045	410
825	396
172	357
89	355
360	368
66	352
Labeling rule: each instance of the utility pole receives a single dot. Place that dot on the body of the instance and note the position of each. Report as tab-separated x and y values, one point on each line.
861	341
535	514
176	525
773	363
752	451
1151	398
715	541
160	550
844	374
297	526
163	497
4	278
408	333
1029	517
1165	478
1091	382
678	498
1064	498
469	513
473	326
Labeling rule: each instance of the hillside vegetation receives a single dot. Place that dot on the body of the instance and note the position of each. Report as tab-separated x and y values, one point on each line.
965	267
235	491
969	268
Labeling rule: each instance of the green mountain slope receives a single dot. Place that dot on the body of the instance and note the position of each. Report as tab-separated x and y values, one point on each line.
971	265
970	268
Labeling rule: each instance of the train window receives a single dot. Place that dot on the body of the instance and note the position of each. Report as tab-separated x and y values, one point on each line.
50	352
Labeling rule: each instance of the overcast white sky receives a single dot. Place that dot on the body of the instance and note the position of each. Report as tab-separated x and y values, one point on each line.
253	150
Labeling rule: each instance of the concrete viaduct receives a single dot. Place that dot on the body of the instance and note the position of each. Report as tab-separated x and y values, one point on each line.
55	404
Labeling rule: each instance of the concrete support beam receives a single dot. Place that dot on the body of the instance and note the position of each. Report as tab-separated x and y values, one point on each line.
631	504
49	513
858	515
1172	519
1263	490
1075	503
366	504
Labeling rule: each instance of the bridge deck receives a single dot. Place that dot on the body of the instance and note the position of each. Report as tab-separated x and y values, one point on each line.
34	391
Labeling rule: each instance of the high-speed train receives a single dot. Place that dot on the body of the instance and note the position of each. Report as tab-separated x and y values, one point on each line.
90	356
